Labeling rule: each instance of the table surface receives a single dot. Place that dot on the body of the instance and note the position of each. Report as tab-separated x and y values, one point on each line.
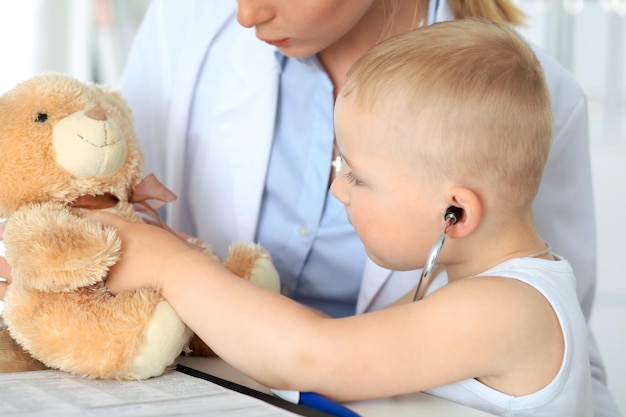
397	406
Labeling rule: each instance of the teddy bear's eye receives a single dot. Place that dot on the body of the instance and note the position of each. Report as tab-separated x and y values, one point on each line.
41	117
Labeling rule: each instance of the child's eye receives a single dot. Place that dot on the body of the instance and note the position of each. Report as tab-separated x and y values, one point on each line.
352	179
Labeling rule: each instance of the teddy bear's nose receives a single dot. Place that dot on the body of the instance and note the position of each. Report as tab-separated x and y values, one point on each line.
96	113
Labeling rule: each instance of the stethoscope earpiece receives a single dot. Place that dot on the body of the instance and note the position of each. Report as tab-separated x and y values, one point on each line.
452	216
454	213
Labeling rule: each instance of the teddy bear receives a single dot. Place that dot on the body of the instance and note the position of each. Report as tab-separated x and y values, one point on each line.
66	147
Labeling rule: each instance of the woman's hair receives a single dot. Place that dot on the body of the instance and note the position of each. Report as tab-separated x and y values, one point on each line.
470	99
500	11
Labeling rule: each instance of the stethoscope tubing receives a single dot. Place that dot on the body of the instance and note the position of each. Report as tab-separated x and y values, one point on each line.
451	217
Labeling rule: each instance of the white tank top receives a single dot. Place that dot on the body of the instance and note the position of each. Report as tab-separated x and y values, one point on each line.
569	393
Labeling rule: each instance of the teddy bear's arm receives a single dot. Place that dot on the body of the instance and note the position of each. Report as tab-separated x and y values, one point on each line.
50	249
253	262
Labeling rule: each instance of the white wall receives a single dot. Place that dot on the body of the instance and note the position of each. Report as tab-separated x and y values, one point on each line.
87	39
16	41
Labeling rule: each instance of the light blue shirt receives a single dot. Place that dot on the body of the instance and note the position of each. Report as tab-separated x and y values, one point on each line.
318	256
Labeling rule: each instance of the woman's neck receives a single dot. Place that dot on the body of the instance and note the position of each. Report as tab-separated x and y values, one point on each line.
378	24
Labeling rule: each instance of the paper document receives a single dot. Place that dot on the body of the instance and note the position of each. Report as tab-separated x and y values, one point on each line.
55	393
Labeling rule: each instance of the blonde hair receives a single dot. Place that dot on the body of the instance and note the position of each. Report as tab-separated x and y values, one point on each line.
500	11
473	101
391	8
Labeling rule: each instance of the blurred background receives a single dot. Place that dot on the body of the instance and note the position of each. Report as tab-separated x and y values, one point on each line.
89	39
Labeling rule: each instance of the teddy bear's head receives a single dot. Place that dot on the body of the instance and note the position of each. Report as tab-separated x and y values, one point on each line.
61	139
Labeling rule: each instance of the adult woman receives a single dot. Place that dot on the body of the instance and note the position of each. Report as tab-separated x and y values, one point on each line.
242	131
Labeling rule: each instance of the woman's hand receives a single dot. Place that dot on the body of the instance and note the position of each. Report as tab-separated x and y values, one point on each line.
5	277
5	268
149	253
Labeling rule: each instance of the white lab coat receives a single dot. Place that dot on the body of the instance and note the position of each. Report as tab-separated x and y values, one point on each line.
159	83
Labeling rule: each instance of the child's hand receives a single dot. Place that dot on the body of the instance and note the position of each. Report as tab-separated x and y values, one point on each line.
148	253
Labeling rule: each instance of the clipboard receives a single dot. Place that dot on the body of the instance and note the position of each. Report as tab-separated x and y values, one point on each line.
270	399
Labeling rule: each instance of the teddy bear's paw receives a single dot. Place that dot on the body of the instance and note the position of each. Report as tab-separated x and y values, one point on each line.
52	250
164	339
252	262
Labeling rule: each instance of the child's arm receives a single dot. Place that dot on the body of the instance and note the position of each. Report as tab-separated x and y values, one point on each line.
498	330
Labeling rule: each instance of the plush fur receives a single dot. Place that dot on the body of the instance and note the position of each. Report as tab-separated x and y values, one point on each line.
62	142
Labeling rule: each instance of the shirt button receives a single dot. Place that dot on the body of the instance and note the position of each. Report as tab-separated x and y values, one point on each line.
303	231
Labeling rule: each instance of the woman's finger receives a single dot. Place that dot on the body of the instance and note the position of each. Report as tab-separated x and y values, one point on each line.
5	271
5	277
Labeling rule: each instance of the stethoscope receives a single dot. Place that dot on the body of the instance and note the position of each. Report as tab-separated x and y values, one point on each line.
452	215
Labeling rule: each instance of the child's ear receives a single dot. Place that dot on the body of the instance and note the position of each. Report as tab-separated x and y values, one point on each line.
470	203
